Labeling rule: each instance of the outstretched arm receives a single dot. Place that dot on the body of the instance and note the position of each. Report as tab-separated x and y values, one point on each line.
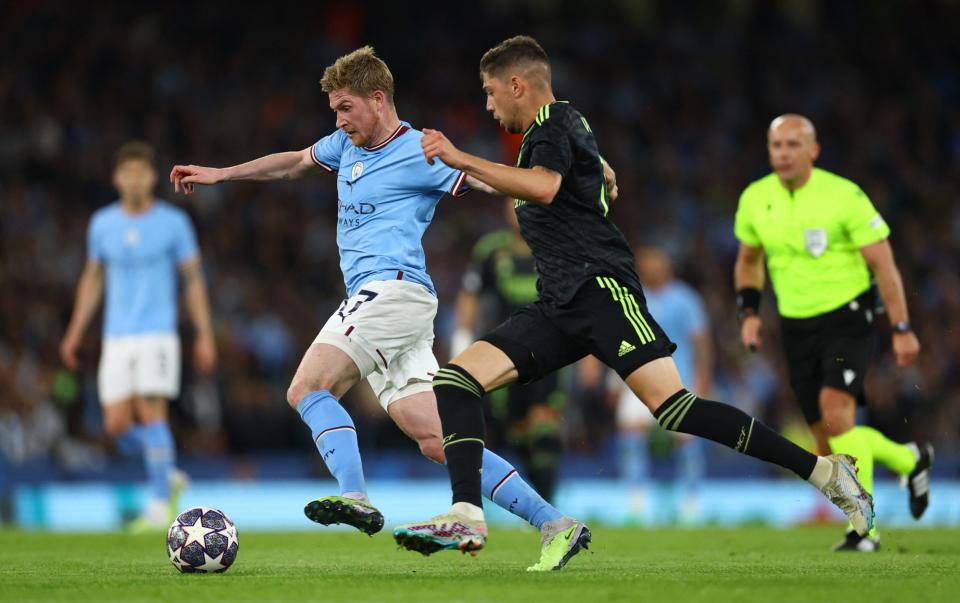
278	166
536	184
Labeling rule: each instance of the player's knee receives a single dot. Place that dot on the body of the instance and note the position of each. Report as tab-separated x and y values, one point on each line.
432	448
300	387
296	392
838	410
116	426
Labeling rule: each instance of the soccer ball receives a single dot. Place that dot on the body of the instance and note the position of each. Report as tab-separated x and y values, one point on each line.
202	540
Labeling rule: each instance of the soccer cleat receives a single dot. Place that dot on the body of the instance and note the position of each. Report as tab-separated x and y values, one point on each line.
154	518
853	542
448	532
339	509
561	539
846	492
918	482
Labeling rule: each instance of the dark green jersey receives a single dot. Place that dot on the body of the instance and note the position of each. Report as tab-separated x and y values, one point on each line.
572	238
506	275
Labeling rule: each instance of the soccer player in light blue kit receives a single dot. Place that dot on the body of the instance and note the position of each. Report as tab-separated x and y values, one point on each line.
383	330
136	247
680	312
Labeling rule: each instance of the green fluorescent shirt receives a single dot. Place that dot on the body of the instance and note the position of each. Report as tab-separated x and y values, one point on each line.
812	239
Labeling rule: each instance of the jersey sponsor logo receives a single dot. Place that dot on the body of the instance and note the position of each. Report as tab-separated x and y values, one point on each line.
352	214
357	170
625	348
815	240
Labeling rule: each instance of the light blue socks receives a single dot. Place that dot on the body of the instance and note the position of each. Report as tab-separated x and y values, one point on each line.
336	438
501	484
159	455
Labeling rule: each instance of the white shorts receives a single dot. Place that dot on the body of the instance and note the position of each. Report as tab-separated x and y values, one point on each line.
146	365
387	329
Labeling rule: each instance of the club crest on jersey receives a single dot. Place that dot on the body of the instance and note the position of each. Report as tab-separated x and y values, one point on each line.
815	240
131	237
357	170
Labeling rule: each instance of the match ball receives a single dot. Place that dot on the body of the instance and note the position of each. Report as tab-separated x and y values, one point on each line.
202	540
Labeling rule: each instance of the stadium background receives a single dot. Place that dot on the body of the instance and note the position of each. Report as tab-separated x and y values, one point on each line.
679	96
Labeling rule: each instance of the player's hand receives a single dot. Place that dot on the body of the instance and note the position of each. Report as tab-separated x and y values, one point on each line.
184	177
68	351
610	177
437	146
906	348
205	354
750	333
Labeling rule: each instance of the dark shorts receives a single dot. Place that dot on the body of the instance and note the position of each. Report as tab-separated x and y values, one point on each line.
830	350
604	318
513	404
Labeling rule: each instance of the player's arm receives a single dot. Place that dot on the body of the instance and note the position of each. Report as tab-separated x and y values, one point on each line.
536	184
748	281
480	186
198	308
278	166
89	294
879	257
610	177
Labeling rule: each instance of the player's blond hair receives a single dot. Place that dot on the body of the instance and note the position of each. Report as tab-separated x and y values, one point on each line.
361	72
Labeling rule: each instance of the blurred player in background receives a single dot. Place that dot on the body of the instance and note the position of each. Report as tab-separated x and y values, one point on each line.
503	277
383	331
590	302
135	249
822	239
680	311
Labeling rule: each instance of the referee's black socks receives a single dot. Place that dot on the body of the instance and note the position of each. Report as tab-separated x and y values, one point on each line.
460	404
730	426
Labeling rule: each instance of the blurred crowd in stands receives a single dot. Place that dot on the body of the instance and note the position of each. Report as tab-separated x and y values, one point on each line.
678	94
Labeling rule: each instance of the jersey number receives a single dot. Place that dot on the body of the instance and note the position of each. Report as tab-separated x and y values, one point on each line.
367	296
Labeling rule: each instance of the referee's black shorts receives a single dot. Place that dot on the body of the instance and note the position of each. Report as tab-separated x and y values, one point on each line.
605	318
830	350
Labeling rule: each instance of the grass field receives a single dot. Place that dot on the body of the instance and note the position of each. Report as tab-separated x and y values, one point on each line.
742	565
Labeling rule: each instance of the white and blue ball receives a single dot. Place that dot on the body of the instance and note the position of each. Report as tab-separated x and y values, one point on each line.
202	540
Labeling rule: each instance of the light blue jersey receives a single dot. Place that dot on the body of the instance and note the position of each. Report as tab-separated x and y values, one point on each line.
678	309
141	255
387	196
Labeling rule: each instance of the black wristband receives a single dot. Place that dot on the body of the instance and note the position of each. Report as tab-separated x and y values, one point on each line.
902	327
748	302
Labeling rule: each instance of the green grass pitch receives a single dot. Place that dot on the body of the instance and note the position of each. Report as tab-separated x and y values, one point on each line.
715	565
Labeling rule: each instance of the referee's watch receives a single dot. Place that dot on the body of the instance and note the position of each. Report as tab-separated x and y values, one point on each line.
902	327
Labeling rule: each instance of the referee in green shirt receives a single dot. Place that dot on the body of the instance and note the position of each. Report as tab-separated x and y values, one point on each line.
822	239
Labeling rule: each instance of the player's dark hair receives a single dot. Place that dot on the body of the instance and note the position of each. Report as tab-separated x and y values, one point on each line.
516	52
134	150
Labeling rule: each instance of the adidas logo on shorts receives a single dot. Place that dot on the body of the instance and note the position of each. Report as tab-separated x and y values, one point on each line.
625	348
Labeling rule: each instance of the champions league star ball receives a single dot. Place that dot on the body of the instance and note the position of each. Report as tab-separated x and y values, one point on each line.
202	540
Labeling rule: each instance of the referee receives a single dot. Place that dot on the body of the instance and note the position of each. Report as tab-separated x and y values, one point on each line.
822	239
